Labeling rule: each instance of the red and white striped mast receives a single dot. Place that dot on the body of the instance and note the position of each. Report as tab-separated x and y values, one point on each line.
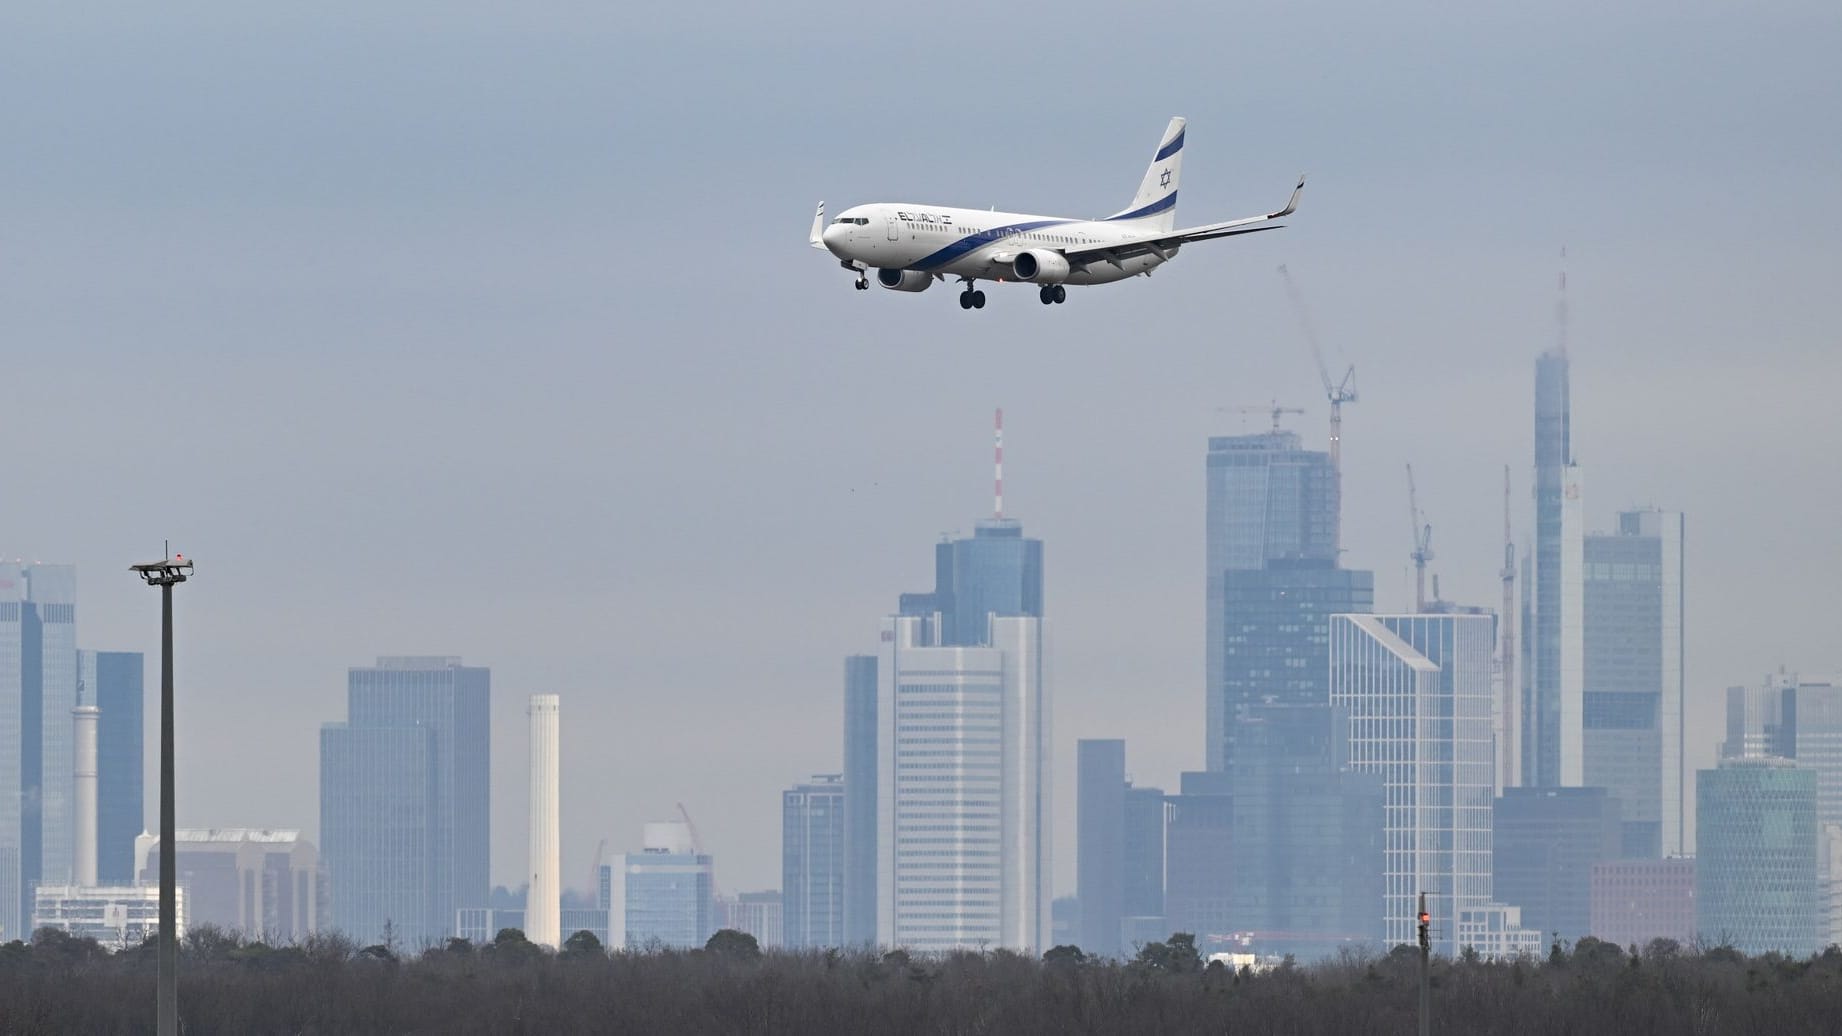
997	510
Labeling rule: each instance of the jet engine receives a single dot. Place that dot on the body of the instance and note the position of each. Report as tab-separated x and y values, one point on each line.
1041	266
904	280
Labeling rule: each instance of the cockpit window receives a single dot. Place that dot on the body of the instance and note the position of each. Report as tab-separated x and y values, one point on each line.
862	221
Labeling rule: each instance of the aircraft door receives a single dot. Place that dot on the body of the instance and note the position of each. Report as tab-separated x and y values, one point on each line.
894	234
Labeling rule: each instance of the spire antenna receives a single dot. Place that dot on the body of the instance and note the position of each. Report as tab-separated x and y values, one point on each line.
997	510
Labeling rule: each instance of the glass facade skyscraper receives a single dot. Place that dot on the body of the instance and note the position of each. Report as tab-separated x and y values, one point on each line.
1552	753
812	863
1100	834
38	690
860	800
1631	700
1272	505
404	818
113	682
997	571
1545	844
1756	868
664	896
1275	642
1307	852
1417	689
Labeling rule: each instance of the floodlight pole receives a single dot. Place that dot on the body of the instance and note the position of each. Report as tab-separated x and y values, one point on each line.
165	574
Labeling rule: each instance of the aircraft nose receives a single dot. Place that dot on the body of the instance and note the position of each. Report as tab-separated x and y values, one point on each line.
834	235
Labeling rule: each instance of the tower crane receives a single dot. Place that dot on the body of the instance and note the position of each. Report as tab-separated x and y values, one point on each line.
1274	409
1338	392
1422	543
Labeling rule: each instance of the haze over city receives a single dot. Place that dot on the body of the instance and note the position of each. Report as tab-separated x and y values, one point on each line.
439	331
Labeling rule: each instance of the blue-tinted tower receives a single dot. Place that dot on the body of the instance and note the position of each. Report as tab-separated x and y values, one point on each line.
860	800
995	571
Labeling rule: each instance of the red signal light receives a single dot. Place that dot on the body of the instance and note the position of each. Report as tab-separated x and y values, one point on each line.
1426	918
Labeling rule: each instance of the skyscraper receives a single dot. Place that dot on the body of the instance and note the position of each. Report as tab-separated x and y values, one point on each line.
1553	643
963	796
1756	868
1307	853
404	818
997	571
1100	822
1631	702
1545	844
1198	855
860	785
1143	888
1269	500
1417	689
112	681
812	879
38	690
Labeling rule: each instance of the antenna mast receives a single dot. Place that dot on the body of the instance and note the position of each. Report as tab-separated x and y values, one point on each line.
997	508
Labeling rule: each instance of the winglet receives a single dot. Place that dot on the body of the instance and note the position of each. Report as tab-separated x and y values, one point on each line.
1292	204
818	227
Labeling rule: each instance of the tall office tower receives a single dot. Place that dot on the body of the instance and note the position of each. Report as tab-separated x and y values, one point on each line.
1270	501
404	807
860	800
1100	834
813	884
1552	642
111	681
1756	868
1545	844
543	909
38	690
1632	692
664	895
997	571
1143	891
1307	858
963	771
1417	689
1198	843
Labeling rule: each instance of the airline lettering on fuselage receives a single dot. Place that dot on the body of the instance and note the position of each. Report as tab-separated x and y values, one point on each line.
924	217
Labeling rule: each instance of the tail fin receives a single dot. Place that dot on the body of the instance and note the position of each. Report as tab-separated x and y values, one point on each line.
1155	204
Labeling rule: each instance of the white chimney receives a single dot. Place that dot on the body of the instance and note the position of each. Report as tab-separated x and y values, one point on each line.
543	914
84	844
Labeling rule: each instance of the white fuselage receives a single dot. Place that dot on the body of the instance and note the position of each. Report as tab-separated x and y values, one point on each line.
976	244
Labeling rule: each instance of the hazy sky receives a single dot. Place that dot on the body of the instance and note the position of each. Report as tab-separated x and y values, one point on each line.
432	328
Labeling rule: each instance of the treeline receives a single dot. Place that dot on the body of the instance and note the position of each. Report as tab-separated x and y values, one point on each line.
57	984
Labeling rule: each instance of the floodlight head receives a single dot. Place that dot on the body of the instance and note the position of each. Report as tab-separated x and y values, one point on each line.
165	572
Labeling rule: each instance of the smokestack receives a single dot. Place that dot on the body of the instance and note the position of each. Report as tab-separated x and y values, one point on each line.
84	848
543	913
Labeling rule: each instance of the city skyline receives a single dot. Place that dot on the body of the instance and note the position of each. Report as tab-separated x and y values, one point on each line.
395	318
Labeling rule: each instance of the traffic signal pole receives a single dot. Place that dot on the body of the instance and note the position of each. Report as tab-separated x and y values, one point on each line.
1426	978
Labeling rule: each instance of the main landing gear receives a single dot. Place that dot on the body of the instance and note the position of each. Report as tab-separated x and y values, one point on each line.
1052	294
971	298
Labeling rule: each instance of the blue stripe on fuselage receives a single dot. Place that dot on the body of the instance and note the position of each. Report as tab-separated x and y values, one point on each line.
1167	202
1171	148
972	242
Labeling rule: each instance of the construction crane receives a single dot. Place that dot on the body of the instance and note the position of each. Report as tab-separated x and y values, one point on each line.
1338	392
697	846
1274	409
1512	699
1422	544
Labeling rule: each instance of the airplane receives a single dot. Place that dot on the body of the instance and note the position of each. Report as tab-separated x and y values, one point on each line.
912	246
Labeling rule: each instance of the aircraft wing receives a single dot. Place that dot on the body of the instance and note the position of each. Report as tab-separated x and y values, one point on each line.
1164	242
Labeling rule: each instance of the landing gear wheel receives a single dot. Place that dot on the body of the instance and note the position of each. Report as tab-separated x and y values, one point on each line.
1061	294
965	300
863	284
1047	294
978	300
